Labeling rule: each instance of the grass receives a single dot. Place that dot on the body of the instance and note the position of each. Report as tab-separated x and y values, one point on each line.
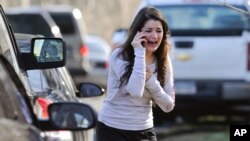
194	133
198	136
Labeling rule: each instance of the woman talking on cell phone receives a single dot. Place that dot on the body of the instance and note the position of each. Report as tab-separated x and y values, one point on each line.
140	74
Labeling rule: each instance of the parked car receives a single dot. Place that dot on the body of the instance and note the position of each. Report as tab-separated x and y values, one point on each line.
33	60
50	86
13	110
17	116
73	28
32	20
118	37
211	65
99	51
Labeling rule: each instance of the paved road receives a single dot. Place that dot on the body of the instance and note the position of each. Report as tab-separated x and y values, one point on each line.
95	102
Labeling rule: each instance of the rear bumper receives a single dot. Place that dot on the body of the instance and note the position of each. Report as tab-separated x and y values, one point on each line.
216	90
211	96
97	76
236	91
80	66
209	99
77	71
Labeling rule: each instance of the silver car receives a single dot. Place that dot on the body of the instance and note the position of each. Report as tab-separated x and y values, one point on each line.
52	86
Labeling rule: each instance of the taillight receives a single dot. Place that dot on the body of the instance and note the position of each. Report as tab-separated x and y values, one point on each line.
106	65
43	104
248	56
84	50
102	64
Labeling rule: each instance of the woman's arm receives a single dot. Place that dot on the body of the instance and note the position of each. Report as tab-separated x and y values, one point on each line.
164	97
136	82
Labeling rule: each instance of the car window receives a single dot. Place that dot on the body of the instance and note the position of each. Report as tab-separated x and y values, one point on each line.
13	105
57	76
208	17
37	81
65	75
55	80
45	82
30	24
65	22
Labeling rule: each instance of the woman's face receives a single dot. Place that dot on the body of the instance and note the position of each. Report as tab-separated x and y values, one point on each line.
154	34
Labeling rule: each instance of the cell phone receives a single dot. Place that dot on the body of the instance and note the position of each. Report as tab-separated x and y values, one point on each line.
143	43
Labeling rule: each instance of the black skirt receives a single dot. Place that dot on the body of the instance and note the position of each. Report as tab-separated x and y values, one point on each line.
106	133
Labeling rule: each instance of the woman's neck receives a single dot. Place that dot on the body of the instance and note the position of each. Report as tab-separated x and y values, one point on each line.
150	58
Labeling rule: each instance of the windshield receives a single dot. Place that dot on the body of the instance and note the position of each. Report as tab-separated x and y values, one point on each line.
69	24
204	17
65	23
30	24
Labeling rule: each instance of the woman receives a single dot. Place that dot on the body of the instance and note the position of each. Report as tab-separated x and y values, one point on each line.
140	73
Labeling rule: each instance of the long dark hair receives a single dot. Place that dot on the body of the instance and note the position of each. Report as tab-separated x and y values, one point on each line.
127	52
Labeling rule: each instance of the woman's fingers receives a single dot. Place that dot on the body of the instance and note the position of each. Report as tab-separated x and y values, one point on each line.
138	39
148	73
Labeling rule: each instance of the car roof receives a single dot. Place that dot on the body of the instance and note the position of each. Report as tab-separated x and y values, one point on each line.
26	36
163	2
94	38
30	9
144	3
60	8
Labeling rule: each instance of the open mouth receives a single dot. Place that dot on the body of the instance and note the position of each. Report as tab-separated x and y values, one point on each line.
152	43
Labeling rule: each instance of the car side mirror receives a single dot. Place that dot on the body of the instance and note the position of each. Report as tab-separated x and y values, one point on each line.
90	90
71	116
45	53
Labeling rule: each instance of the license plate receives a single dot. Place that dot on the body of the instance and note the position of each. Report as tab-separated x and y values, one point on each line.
185	87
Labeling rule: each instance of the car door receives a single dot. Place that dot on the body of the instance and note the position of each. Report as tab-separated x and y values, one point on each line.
16	122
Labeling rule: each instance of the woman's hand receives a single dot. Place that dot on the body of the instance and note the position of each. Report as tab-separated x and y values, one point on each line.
138	39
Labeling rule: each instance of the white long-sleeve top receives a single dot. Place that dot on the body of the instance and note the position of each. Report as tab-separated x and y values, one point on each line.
130	107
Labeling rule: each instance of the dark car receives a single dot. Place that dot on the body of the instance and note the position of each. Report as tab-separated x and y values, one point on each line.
30	20
72	24
68	24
